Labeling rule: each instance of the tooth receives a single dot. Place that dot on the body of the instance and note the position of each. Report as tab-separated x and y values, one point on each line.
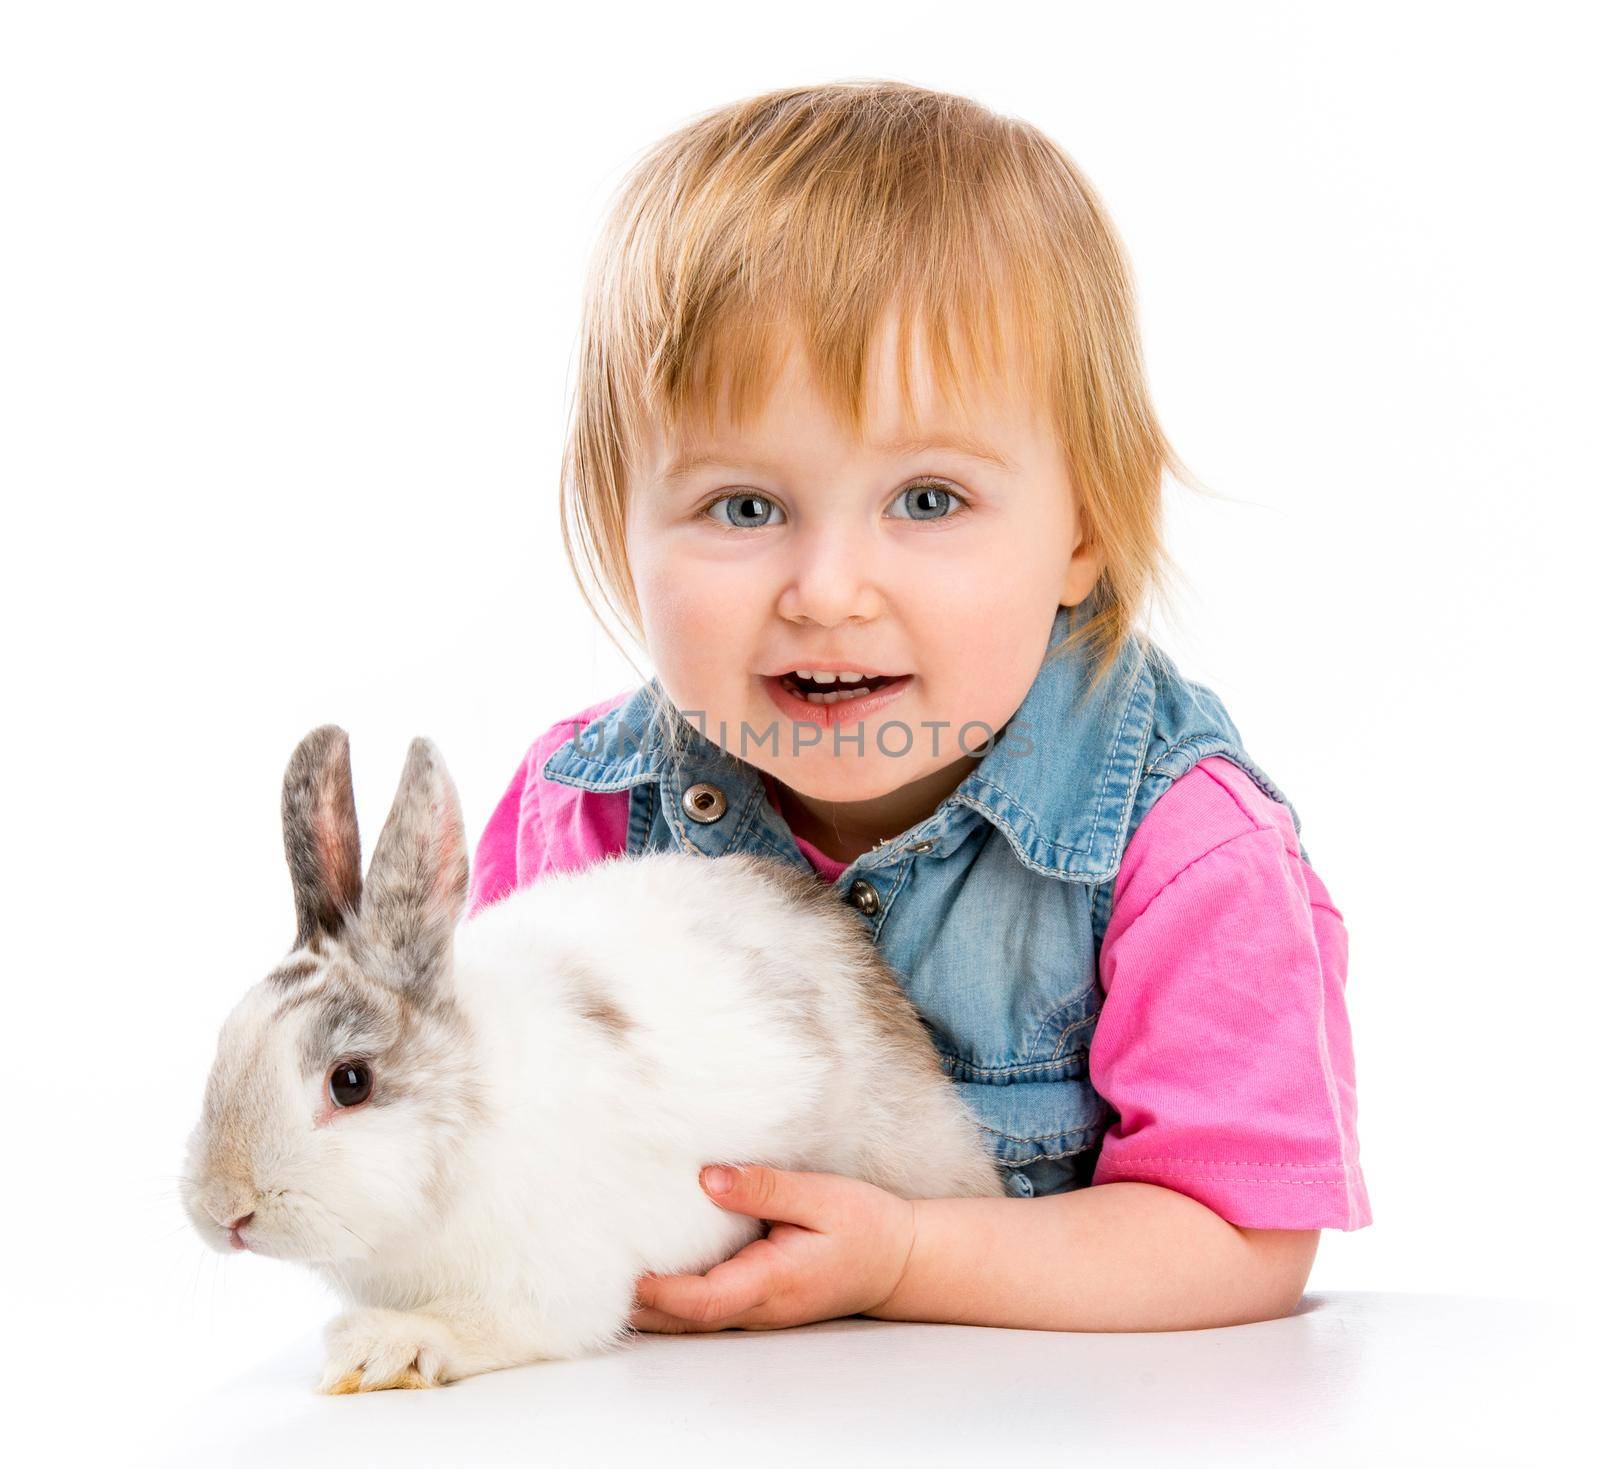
850	678
836	696
803	672
822	677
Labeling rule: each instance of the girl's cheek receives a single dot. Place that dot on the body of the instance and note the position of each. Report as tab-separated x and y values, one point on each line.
687	596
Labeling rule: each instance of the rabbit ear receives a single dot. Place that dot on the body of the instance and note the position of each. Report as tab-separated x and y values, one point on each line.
319	834
417	883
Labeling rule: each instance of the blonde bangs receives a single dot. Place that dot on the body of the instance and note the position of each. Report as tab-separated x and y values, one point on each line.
816	216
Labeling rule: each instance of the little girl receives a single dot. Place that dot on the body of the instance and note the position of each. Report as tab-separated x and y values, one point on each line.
862	453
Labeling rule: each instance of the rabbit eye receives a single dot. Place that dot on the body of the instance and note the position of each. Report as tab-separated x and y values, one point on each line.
350	1083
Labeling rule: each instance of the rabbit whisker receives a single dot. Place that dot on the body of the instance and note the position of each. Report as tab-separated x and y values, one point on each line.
332	1217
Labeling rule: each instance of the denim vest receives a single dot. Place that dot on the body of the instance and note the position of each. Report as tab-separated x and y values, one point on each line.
992	909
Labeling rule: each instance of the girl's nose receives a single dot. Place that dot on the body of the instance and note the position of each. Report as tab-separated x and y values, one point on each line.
833	578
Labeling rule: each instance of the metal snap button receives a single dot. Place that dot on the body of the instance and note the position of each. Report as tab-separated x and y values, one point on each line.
704	802
864	896
923	847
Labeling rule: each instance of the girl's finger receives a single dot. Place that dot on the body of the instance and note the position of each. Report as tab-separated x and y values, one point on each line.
724	1292
811	1200
647	1318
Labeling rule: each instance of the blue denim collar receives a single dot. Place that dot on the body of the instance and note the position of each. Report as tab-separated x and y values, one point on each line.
1059	781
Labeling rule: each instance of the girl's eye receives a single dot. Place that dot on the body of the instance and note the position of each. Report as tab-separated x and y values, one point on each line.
746	511
350	1083
928	502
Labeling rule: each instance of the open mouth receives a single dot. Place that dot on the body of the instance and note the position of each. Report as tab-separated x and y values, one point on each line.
823	690
836	688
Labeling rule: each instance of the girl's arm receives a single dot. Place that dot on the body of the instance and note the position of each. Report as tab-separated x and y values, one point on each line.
1115	1257
1127	1256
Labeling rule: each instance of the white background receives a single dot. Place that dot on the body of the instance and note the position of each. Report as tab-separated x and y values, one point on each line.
288	298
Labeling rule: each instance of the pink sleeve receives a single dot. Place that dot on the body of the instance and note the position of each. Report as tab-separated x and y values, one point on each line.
1223	1041
541	826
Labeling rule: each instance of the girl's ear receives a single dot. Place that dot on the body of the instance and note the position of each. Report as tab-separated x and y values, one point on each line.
1083	571
319	835
417	883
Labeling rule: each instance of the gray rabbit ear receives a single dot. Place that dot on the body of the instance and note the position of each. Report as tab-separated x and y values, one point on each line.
417	883
319	835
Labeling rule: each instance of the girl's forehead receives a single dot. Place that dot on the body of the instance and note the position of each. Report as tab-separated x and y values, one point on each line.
901	397
780	430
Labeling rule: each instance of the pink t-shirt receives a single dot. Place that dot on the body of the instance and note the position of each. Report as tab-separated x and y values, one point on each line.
1223	1041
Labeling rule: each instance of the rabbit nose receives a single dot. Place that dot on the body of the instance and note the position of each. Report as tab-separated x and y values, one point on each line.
243	1220
226	1206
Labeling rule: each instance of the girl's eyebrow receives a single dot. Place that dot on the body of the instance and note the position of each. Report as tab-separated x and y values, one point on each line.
952	441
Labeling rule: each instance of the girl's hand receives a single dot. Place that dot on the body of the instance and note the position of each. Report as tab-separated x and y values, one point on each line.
836	1247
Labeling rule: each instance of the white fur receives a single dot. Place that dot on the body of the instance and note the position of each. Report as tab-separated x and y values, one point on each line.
573	1147
588	1173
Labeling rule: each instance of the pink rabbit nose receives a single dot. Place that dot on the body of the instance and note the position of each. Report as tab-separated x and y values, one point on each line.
222	1201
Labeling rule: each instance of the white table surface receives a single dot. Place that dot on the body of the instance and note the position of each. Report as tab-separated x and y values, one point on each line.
1389	1378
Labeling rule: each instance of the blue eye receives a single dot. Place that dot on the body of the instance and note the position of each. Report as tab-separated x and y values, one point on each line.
746	511
928	502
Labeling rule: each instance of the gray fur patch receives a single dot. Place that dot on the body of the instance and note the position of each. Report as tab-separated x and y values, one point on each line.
593	1003
342	1020
293	970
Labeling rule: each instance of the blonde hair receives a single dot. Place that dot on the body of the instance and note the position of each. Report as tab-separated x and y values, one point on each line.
824	209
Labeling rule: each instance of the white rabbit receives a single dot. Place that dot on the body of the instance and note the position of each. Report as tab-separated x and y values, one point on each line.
482	1135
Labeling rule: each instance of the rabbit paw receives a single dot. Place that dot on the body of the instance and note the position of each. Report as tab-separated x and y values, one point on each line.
373	1349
